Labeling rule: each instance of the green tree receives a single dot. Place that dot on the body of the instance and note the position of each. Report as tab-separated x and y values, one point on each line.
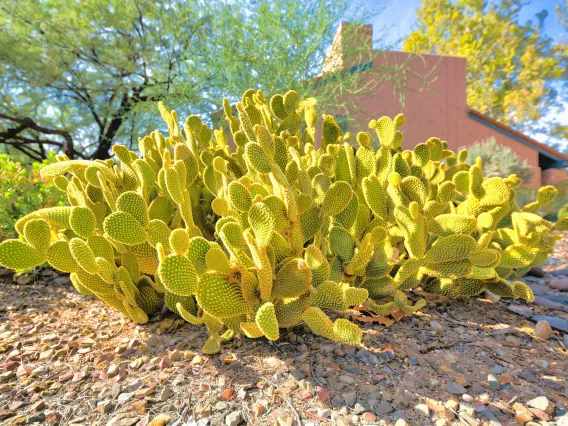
515	72
78	76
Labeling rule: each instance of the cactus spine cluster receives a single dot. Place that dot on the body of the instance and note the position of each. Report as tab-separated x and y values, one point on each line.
271	228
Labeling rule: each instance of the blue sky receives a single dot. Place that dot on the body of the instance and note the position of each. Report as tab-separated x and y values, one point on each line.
397	19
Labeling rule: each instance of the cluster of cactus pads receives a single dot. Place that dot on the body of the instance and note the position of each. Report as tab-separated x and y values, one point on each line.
280	228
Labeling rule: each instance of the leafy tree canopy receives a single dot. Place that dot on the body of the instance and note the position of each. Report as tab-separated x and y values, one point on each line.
515	72
80	75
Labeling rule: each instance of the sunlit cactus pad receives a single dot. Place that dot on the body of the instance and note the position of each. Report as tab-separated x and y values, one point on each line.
267	225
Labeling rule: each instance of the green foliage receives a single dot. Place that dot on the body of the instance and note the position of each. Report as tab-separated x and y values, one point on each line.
275	230
92	75
514	70
498	160
22	191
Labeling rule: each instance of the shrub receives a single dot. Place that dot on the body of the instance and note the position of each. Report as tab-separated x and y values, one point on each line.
22	191
498	160
271	228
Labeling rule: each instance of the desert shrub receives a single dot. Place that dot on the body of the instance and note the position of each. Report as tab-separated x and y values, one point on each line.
270	226
498	160
22	191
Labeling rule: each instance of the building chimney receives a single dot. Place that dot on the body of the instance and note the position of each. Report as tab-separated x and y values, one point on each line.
352	45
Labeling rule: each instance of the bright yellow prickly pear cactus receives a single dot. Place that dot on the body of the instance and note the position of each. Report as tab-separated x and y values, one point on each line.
268	227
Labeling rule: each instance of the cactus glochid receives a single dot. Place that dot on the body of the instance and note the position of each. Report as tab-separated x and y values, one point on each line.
270	227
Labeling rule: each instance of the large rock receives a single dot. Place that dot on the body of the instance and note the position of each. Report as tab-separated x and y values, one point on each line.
543	330
559	284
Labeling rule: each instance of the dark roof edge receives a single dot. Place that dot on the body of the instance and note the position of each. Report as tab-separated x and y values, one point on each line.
518	136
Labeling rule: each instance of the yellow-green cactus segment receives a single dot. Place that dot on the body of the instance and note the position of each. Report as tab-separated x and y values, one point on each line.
158	232
319	323
362	256
218	297
517	256
178	275
281	247
71	166
107	270
251	330
124	228
450	249
331	131
292	280
257	158
15	254
83	221
375	196
133	203
379	287
187	302
415	228
402	303
278	210
311	222
179	241
148	300
289	311
450	270
336	198
220	206
57	217
385	129
38	234
353	295
78	286
500	287
135	313
413	189
59	256
174	185
330	295
239	196
147	258
266	321
198	247
448	224
124	286
341	243
495	192
188	315
522	291
347	332
561	225
488	258
217	260
262	223
263	266
129	261
161	208
83	255
212	345
101	247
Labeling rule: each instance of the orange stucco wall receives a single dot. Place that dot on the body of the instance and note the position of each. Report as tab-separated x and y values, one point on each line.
554	176
438	110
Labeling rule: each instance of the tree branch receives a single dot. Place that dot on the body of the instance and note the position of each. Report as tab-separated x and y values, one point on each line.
27	123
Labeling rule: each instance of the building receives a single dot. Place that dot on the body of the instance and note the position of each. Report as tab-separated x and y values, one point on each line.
441	111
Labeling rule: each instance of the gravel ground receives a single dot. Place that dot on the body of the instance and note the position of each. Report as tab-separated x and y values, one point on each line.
67	359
